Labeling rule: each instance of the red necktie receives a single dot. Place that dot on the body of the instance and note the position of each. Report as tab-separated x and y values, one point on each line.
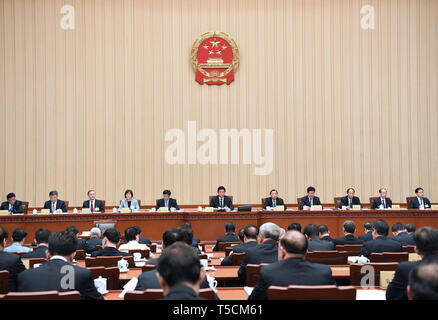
92	207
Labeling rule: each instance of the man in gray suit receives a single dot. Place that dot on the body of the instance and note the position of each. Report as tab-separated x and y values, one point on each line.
311	231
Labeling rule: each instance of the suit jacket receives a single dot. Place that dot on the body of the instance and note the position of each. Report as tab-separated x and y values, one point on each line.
81	244
172	203
124	204
397	287
327	238
48	277
377	202
97	204
404	238
347	239
229	237
304	201
380	244
59	205
182	292
278	202
291	271
238	249
415	204
195	242
320	245
344	201
366	237
109	252
91	244
16	208
227	202
144	240
39	252
266	252
153	262
12	263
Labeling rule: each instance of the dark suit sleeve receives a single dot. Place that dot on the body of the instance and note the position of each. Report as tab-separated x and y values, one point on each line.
46	205
230	204
242	270
90	292
212	204
364	251
63	207
375	204
4	206
17	268
301	204
175	204
226	261
412	204
216	247
342	203
318	201
397	287
85	204
284	204
260	291
158	206
426	201
265	203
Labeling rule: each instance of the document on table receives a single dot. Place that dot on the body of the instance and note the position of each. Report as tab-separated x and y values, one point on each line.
130	286
248	290
371	294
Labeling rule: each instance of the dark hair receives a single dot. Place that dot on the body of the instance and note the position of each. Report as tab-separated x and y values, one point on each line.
90	191
418	189
42	235
18	235
179	263
186	234
251	231
230	227
294	226
311	230
381	227
273	190
4	234
380	190
167	192
53	193
298	246
241	234
73	229
62	243
137	229
130	234
129	191
171	236
354	191
322	229
410	227
221	188
426	240
397	227
349	226
10	195
423	281
112	234
368	226
310	189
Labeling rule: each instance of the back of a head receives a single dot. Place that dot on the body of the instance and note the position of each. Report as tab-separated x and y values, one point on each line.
230	227
171	236
95	232
130	234
423	281
178	264
42	235
251	231
381	227
73	229
426	240
368	226
270	230
397	227
410	227
349	226
4	234
323	229
186	235
113	235
311	230
294	242
18	235
137	229
62	243
294	226
241	234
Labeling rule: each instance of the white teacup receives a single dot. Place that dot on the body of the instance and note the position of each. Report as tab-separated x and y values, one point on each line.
344	208
122	264
137	255
212	282
204	263
362	260
100	284
36	265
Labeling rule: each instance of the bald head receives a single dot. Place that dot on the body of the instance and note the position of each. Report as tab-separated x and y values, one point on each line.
294	242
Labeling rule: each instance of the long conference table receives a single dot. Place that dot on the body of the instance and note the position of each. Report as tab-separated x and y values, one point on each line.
208	226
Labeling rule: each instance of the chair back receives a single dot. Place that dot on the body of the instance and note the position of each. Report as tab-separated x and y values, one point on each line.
112	275
409	249
66	204
237	258
299	202
253	273
351	249
43	295
228	250
328	257
155	294
25	206
153	247
356	275
80	254
372	199
337	201
390	257
103	261
202	256
144	253
148	267
330	292
4	281
222	245
408	199
29	263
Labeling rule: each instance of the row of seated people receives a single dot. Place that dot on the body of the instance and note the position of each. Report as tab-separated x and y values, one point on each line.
221	201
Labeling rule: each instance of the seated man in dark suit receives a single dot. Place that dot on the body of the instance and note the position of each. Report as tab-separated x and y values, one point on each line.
55	204
311	231
92	203
166	201
423	282
94	241
250	234
187	237
230	228
349	228
380	243
12	205
59	273
195	242
349	200
420	201
310	200
382	202
292	268
401	235
10	261
273	200
426	241
179	272
368	229
42	242
170	236
294	226
111	238
410	229
265	252
141	239
324	233
221	201
75	231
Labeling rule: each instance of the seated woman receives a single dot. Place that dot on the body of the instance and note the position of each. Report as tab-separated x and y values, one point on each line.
129	202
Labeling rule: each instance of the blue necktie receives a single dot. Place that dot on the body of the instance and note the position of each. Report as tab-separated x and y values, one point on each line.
311	202
383	203
421	202
166	204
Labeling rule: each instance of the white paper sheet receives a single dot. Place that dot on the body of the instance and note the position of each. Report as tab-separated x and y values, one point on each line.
248	290
130	286
371	294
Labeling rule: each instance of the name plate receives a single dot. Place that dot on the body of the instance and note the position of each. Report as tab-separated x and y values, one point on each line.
4	212
86	210
125	210
434	206
208	209
45	211
395	207
279	208
414	257
385	278
164	209
317	208
357	207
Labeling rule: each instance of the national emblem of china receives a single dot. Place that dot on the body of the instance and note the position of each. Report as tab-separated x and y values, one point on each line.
215	57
